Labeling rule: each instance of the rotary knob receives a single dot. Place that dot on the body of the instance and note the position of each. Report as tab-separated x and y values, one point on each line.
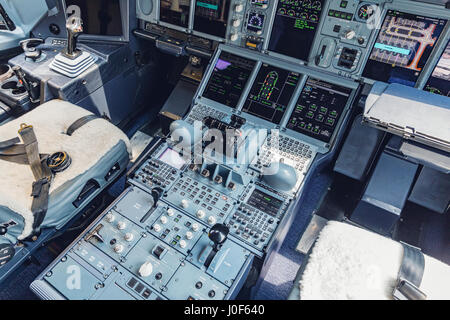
195	227
236	23
200	214
234	37
157	227
238	8
145	269
121	225
163	219
170	212
118	248
189	235
129	237
110	217
212	220
183	244
349	34
184	203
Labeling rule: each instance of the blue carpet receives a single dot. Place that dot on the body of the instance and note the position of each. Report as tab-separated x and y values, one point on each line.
279	279
16	287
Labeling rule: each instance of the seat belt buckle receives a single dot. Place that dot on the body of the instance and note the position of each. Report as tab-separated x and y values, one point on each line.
37	187
405	290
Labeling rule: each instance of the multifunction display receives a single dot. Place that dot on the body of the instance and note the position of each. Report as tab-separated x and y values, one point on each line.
265	202
211	16
270	93
439	81
228	79
318	109
294	27
175	12
255	22
403	47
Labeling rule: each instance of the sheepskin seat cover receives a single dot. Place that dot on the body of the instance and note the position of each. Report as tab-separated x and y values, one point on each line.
348	262
50	121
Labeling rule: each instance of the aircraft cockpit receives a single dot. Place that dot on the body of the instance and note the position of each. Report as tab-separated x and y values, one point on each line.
224	150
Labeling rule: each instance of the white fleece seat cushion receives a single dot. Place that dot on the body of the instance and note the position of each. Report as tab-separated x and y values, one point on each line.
50	121
348	262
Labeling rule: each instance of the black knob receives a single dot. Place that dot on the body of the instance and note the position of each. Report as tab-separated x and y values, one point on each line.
3	230
218	234
156	194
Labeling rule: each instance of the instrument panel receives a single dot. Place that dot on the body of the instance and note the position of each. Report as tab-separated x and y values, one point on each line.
155	241
377	40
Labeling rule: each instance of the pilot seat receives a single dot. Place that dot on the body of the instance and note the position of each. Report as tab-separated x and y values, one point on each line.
347	262
54	160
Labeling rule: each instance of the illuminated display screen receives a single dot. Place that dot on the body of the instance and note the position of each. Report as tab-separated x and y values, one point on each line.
294	27
211	16
318	109
255	22
99	17
228	79
259	3
172	158
270	93
403	47
175	12
265	202
439	81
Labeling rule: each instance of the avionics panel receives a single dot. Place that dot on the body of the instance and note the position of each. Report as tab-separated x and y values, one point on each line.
271	92
439	80
228	79
211	17
403	47
265	202
175	12
318	109
294	27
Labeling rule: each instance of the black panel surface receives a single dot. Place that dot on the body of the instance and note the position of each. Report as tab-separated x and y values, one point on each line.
175	12
319	109
270	93
228	79
99	17
294	27
211	16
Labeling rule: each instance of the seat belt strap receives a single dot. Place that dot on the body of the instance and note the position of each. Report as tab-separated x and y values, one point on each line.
80	122
42	175
31	148
410	274
9	143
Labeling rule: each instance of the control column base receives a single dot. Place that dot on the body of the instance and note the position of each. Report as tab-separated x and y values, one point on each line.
72	67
